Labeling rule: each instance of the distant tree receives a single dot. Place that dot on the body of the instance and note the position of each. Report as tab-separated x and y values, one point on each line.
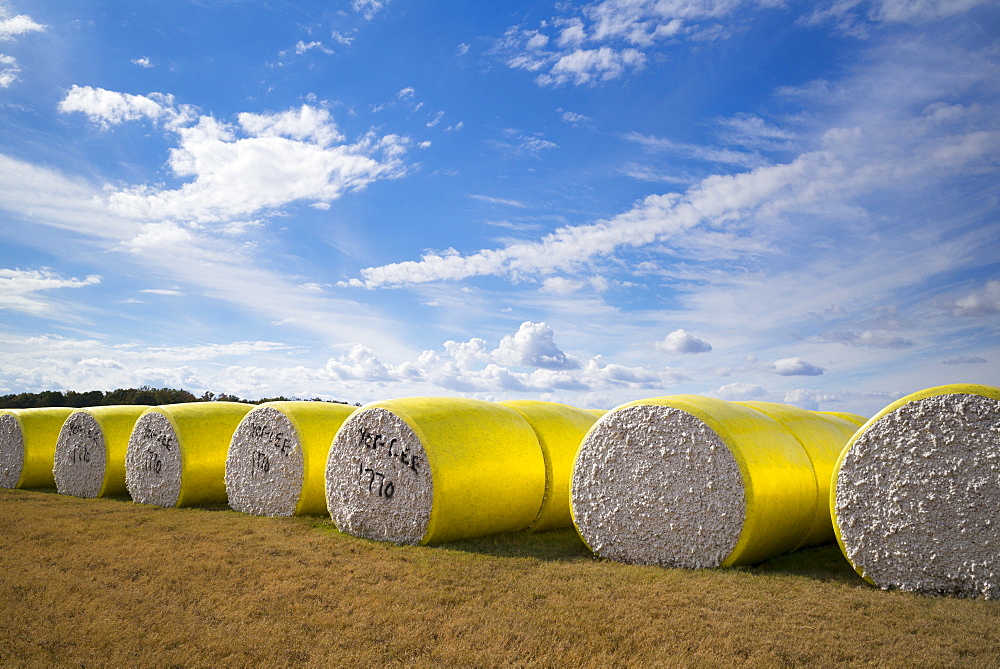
141	395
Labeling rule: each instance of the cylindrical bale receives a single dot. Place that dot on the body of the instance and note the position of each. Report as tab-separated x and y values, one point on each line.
90	450
598	413
177	453
823	436
559	429
852	418
691	481
432	469
277	458
916	494
28	446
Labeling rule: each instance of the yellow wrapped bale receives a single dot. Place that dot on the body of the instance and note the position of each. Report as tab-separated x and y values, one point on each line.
852	418
90	450
690	481
915	494
28	446
823	436
559	429
432	469
177	453
277	458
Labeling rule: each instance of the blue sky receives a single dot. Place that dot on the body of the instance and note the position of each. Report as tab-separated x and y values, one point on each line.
581	202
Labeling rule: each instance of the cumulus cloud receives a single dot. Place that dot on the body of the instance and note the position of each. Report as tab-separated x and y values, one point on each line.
533	345
982	302
143	62
19	290
266	161
735	392
108	108
795	367
806	399
682	341
11	26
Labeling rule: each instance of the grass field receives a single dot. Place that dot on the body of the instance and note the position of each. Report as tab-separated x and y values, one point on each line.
110	583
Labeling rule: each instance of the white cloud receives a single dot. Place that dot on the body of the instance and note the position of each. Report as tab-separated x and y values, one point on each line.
302	47
681	341
516	143
19	290
795	367
109	108
607	40
981	302
735	392
305	124
369	8
575	118
723	156
533	345
497	200
143	62
11	26
161	291
268	161
588	66
9	70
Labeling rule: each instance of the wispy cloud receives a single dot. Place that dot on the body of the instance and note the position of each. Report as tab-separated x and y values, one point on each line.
19	291
12	26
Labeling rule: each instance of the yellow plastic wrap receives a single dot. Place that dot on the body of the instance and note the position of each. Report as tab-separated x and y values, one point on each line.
39	430
779	485
823	436
852	418
560	429
474	468
990	392
597	412
115	424
203	431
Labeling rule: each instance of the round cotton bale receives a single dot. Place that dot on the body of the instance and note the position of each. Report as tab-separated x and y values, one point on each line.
90	451
823	436
277	458
916	494
177	453
690	481
559	429
598	413
433	469
28	446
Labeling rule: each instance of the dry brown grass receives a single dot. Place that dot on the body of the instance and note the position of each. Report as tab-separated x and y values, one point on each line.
112	583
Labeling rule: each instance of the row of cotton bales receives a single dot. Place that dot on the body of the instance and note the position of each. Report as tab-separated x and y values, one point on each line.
684	481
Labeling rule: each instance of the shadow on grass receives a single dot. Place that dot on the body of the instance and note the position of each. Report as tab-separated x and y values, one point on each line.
554	546
821	563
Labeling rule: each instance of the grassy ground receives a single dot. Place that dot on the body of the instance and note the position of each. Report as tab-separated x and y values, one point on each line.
112	583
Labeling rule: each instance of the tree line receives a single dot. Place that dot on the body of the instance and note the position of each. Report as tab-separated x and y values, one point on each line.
142	395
